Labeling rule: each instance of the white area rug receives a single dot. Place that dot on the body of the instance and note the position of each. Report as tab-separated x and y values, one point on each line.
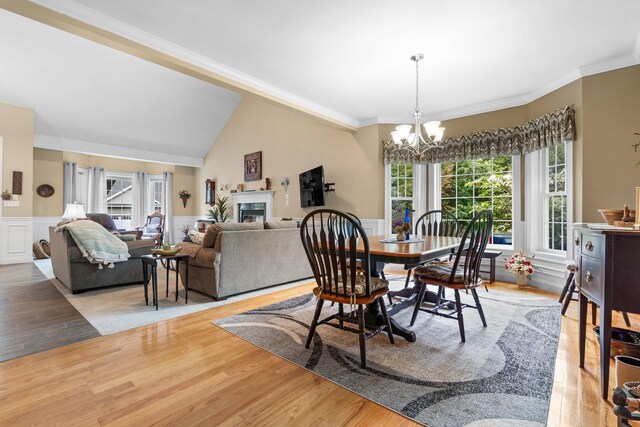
120	308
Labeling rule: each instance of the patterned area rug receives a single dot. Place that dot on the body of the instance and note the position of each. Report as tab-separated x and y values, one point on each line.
502	375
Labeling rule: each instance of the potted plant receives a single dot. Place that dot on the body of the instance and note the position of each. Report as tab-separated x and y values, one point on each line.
519	265
401	228
221	211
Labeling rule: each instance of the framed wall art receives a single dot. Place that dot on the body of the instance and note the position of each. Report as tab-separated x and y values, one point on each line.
253	166
209	192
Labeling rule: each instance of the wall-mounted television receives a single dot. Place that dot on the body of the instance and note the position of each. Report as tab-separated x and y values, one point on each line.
312	187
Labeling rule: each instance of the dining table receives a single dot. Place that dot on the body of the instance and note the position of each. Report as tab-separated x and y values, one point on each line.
385	249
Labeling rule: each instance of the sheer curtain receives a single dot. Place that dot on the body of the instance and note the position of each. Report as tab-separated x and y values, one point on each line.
140	202
167	206
97	191
70	183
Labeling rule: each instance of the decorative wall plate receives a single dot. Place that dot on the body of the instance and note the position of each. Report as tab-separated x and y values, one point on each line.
45	190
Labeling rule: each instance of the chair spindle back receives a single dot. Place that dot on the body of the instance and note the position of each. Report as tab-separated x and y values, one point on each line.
472	246
438	223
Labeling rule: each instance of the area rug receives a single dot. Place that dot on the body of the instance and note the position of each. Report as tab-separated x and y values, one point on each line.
502	375
119	308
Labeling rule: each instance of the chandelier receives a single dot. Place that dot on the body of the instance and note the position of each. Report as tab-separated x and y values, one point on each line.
412	140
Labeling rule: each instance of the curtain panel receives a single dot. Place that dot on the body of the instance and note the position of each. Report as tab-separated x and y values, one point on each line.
551	129
140	203
97	190
70	186
167	206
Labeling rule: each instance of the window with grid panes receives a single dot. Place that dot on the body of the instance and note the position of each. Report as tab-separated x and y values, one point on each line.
402	177
555	198
470	186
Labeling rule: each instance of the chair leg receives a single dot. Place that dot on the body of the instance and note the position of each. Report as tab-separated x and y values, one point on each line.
416	309
382	275
406	282
594	313
361	334
341	314
314	322
567	300
625	315
479	307
460	319
386	319
563	293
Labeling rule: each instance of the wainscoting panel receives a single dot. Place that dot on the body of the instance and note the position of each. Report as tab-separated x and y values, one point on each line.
41	226
16	240
180	221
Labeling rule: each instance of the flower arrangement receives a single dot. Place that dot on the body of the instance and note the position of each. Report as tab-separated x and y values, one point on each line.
401	227
184	194
518	264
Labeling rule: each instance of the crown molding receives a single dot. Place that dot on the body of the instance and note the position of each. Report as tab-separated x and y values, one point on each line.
105	150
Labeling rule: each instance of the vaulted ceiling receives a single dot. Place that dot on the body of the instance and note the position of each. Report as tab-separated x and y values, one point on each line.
345	60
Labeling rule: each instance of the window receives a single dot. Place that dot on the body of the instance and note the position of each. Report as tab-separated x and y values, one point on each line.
473	185
155	193
554	195
119	199
402	186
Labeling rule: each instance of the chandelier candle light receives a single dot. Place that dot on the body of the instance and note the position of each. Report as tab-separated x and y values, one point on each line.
414	141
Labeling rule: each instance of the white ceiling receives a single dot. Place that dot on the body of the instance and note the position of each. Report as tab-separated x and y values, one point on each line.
345	59
91	98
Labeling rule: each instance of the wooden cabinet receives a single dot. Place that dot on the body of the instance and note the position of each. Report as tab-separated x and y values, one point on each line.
609	275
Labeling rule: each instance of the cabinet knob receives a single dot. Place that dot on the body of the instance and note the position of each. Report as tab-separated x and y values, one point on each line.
589	246
588	276
577	240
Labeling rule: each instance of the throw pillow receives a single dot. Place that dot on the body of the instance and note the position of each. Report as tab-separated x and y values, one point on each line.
274	225
196	237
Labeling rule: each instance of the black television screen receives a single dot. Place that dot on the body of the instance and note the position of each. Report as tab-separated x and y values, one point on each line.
312	187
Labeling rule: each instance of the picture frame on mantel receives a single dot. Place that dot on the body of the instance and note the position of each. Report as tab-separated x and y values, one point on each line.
209	192
253	166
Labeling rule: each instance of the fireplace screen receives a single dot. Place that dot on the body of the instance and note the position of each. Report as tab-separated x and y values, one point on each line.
251	212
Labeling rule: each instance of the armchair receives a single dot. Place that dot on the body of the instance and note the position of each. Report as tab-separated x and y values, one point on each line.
154	228
106	221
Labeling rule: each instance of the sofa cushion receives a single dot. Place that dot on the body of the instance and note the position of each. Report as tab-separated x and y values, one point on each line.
274	225
196	237
212	231
137	248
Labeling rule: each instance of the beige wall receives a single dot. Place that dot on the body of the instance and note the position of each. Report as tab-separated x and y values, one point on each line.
16	128
291	143
48	169
611	116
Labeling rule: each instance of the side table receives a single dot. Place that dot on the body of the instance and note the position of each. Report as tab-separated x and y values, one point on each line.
152	261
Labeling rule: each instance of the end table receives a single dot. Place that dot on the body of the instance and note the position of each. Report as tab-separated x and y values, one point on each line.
152	261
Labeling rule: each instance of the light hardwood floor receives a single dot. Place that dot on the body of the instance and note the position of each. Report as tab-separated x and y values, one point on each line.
186	371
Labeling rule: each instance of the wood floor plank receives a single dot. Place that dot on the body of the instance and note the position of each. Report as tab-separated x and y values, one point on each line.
186	371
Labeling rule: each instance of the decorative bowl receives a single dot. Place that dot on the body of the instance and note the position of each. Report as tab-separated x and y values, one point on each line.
622	342
633	387
611	215
165	252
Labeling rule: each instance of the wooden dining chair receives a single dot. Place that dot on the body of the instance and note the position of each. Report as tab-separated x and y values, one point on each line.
330	240
452	274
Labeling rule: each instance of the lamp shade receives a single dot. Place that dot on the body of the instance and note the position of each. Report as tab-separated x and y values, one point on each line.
74	211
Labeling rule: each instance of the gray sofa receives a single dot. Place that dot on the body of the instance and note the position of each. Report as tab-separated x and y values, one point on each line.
245	257
77	274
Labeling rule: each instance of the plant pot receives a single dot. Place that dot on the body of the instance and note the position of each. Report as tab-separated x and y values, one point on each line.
622	343
521	280
627	369
400	237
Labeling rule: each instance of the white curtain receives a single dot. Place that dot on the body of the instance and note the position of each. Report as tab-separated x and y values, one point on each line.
70	183
97	191
140	202
167	206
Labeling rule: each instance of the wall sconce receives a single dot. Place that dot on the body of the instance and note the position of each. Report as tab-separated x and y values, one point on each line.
284	181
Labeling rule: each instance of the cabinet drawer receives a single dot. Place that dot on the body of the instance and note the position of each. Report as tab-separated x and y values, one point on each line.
592	245
590	279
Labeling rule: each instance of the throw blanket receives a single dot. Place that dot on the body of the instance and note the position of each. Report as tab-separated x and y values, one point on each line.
96	244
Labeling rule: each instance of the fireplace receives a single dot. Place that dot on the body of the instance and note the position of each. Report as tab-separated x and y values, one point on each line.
250	206
251	212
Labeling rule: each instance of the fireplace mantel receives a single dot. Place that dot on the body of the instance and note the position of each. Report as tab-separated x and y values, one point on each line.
264	196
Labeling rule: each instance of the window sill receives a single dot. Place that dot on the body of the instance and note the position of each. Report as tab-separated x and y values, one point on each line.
550	257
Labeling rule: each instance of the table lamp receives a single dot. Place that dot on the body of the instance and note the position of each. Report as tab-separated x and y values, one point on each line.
74	211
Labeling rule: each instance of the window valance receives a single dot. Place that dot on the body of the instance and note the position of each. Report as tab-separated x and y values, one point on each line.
537	134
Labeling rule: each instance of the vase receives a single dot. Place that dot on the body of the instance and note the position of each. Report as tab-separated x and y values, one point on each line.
184	201
627	369
400	237
521	280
